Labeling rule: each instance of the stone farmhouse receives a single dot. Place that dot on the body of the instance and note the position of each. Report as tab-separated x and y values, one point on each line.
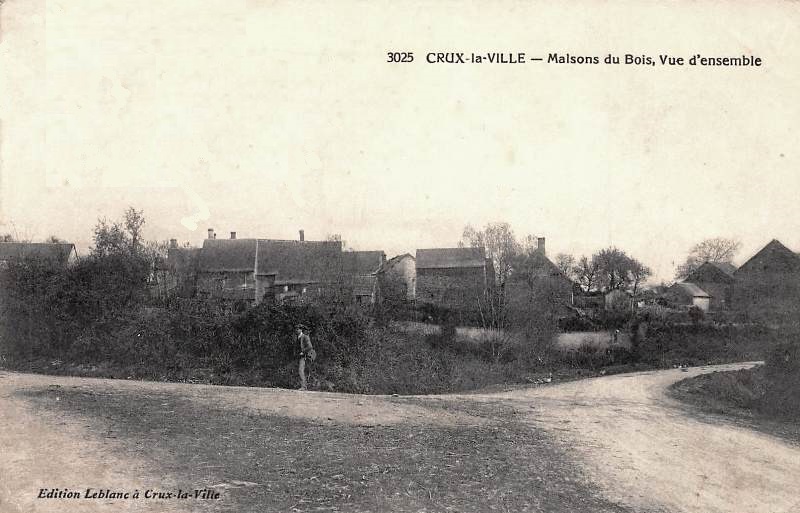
453	278
257	270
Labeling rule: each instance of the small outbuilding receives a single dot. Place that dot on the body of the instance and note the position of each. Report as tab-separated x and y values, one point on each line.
685	293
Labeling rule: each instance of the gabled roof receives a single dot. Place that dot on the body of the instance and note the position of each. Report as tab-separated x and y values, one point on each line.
290	261
450	258
58	253
362	263
712	272
726	267
228	255
301	262
774	257
543	265
689	289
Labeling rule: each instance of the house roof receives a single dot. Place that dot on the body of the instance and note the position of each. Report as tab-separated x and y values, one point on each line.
726	267
228	255
362	263
448	258
543	265
290	261
395	260
689	289
300	262
712	272
54	252
775	255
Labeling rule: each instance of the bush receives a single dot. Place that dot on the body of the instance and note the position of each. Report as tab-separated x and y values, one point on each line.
782	374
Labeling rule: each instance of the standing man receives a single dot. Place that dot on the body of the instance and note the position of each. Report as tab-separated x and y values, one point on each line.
306	351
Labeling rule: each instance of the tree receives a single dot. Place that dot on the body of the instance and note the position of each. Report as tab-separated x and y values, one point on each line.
500	243
717	250
54	239
115	237
566	264
617	270
586	271
638	273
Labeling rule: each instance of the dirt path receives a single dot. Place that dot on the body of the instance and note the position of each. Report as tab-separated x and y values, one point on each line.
644	450
637	445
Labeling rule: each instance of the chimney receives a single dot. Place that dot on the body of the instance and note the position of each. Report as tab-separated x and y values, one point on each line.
211	233
540	245
302	235
233	235
173	243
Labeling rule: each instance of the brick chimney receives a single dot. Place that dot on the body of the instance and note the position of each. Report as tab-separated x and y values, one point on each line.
302	235
173	243
211	234
233	235
540	245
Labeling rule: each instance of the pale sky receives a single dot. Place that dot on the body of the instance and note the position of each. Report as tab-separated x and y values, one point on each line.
277	116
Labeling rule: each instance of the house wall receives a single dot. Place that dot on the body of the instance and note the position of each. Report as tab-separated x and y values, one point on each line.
720	293
225	284
458	289
399	282
701	302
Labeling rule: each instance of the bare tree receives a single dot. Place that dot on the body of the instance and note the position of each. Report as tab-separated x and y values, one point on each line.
716	250
586	273
638	273
500	243
566	264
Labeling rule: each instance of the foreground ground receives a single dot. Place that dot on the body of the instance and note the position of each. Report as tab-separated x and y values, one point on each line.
616	443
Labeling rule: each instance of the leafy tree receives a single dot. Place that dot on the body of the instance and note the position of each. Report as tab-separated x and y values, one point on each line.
617	270
54	239
717	250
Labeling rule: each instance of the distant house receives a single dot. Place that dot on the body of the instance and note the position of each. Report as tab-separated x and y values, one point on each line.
769	280
360	272
259	270
540	280
717	279
453	278
398	279
58	254
688	294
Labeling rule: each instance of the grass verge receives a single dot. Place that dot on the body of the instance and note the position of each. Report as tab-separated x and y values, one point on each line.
737	396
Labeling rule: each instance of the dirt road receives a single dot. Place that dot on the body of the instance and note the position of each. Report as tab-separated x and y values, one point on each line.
639	448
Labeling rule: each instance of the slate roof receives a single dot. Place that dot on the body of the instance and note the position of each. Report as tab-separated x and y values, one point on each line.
362	263
689	289
450	258
55	252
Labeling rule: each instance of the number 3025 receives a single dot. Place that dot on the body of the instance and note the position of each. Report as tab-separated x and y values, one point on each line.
399	56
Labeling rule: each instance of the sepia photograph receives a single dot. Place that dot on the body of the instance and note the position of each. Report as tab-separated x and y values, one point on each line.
423	256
